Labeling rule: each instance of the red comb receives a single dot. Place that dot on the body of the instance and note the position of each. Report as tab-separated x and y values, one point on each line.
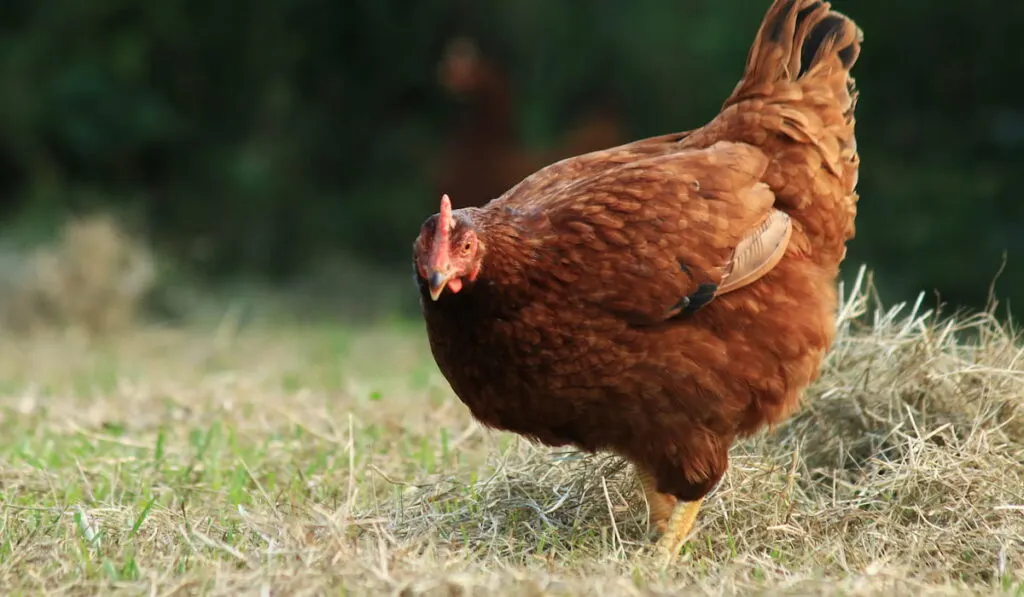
445	223
446	211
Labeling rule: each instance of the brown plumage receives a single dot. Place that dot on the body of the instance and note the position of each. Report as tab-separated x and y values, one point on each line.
662	298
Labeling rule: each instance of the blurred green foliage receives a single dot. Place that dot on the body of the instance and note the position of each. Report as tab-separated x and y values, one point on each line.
260	137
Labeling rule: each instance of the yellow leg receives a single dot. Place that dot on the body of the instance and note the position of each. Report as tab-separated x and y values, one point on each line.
679	526
660	504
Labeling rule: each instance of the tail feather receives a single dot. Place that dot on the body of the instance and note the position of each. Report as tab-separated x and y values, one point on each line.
800	39
797	87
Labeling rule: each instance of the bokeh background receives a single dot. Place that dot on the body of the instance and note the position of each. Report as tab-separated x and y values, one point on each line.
293	147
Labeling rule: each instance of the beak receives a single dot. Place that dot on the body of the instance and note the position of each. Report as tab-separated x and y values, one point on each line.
437	281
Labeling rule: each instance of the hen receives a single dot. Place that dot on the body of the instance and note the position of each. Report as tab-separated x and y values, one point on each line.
665	297
485	155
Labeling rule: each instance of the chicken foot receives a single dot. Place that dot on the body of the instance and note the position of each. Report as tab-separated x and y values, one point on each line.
661	504
678	528
672	518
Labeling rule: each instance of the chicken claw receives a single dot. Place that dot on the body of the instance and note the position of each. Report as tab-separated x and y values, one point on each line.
678	528
660	505
673	519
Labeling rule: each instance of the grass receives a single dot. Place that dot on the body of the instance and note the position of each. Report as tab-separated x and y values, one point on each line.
323	460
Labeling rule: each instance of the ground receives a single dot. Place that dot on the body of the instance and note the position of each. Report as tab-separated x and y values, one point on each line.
264	459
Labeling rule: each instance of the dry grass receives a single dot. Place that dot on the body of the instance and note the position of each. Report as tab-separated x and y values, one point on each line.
94	278
307	461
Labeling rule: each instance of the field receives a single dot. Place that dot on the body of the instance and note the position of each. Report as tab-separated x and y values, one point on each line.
271	459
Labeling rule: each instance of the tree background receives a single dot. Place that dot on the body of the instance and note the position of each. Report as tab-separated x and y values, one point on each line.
263	139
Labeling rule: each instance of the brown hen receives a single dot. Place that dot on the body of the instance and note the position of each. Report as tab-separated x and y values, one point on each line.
662	298
484	155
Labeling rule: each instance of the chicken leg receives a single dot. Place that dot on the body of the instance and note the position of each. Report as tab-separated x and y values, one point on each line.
678	528
660	504
672	518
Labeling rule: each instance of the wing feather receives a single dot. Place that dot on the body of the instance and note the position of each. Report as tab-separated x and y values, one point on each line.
662	234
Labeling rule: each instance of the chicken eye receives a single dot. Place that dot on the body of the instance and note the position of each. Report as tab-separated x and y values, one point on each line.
467	246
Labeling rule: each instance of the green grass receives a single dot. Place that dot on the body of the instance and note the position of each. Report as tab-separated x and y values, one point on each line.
321	460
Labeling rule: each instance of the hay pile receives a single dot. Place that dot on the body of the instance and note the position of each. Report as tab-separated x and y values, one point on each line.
94	277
